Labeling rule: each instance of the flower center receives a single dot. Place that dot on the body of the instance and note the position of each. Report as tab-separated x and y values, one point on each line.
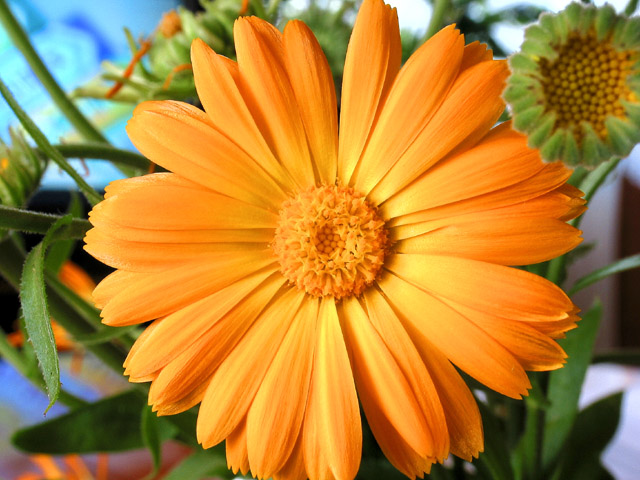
586	82
330	241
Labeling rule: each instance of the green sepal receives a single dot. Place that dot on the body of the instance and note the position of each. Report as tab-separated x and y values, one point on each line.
571	152
524	103
555	24
587	18
540	134
522	62
515	92
524	80
633	111
573	13
526	118
593	150
622	135
536	32
551	151
536	48
605	21
626	34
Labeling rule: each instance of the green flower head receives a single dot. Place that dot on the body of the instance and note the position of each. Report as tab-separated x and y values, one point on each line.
575	85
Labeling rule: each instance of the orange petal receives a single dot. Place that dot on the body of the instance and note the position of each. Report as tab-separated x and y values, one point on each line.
372	62
379	377
551	177
332	433
505	241
182	139
274	107
466	345
470	109
164	202
498	161
294	468
275	416
475	53
315	94
235	384
534	350
180	330
495	289
216	80
464	423
186	371
143	297
416	94
404	352
236	446
155	257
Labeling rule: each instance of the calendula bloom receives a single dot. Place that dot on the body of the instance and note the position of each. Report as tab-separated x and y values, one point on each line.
575	88
290	270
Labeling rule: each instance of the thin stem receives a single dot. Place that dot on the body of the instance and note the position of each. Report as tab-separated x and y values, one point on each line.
13	357
435	22
102	152
33	222
21	40
41	140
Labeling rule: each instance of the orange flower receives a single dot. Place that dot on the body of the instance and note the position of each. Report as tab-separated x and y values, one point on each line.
73	468
286	270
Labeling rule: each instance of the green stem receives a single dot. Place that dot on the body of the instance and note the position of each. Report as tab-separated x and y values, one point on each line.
102	152
13	357
41	140
11	260
21	40
272	9
32	222
437	15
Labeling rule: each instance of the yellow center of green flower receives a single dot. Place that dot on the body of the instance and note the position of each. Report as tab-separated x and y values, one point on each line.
586	82
330	241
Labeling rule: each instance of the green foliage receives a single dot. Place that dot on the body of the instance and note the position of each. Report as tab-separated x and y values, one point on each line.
565	385
109	425
592	431
201	464
36	313
622	265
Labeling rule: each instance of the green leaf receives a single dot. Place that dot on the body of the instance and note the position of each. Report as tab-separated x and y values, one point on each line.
628	263
626	356
32	222
201	464
565	384
36	313
60	252
150	432
108	425
593	430
494	462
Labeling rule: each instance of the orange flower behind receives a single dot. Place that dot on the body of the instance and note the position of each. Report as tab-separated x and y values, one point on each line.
291	270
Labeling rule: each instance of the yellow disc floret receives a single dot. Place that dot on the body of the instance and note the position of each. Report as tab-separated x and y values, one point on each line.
586	82
330	241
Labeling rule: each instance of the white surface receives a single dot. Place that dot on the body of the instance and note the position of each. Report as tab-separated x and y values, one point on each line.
622	456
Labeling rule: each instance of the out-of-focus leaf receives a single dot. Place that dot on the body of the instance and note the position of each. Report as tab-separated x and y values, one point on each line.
373	468
593	430
621	356
109	425
565	384
36	313
494	462
150	431
202	463
622	265
103	335
61	250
